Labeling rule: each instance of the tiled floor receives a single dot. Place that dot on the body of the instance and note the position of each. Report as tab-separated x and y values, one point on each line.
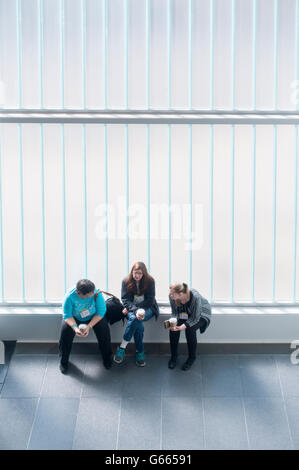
223	402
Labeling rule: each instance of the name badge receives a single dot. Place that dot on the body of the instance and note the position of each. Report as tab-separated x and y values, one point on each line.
183	316
85	313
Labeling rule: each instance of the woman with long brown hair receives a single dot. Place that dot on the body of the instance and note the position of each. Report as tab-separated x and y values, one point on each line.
137	292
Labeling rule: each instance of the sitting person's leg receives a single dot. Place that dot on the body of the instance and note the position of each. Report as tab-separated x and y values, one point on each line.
67	335
102	332
191	337
174	337
138	338
132	325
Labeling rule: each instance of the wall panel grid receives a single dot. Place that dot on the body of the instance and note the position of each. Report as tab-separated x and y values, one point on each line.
212	205
149	54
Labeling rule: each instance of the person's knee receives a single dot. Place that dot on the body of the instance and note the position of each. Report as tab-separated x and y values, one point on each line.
148	314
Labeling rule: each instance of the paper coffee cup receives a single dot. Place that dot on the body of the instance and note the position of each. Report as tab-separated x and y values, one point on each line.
141	313
82	327
173	322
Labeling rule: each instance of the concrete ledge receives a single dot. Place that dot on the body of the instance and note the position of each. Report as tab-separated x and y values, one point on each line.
266	325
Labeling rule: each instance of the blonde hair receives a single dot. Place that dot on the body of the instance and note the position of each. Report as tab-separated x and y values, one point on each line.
179	288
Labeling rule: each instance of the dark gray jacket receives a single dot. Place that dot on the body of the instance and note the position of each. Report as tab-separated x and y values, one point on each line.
199	308
127	299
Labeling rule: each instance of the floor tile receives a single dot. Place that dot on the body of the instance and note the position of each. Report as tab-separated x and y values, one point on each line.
221	376
3	372
267	423
179	383
54	424
292	410
24	377
225	427
129	407
140	423
100	382
259	376
16	419
288	374
143	381
182	423
97	424
57	384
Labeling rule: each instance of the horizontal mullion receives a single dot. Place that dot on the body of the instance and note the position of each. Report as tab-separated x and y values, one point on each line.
147	117
160	303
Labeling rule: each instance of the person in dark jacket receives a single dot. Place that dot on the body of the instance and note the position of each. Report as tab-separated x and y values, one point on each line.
137	292
193	312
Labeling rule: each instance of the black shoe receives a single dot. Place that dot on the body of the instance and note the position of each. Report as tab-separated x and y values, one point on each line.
63	367
188	364
108	364
172	363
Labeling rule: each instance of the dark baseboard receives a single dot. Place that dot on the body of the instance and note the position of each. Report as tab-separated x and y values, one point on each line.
9	350
159	348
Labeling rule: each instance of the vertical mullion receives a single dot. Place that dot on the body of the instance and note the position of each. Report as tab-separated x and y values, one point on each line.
211	208
19	48
21	209
106	203
127	197
63	208
275	52
1	224
233	151
254	55
296	155
148	196
233	51
43	208
85	200
274	213
190	53
148	22
295	213
62	51
83	32
169	204
190	202
169	51
105	51
126	56
211	54
233	214
41	34
296	49
253	215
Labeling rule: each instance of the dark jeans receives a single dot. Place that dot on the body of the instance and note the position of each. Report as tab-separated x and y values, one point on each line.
102	333
191	338
135	328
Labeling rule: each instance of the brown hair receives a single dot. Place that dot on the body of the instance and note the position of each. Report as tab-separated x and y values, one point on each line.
144	281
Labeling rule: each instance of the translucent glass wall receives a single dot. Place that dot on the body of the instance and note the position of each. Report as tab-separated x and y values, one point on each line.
214	205
158	54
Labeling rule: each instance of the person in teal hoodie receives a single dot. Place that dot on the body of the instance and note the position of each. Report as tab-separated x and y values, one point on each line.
80	307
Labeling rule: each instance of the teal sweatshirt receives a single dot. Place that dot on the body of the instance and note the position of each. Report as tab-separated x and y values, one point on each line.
82	309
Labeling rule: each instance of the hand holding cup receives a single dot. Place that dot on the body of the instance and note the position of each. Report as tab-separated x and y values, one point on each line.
140	314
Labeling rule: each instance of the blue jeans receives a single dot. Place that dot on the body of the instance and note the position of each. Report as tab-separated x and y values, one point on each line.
135	328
